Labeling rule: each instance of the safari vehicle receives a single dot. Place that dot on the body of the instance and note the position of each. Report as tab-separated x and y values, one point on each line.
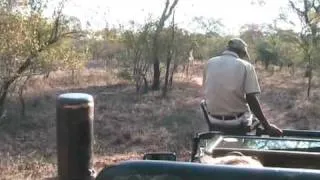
296	155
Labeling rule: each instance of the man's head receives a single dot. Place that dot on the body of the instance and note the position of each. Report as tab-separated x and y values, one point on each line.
238	46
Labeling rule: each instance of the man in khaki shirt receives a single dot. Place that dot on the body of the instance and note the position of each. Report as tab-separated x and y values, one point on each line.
230	88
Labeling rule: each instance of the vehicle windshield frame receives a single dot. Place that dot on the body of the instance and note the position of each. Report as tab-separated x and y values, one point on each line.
302	144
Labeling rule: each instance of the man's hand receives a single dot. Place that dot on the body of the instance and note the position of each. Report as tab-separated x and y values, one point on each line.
273	130
255	107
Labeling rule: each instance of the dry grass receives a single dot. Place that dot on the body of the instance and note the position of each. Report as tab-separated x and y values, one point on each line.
127	125
285	99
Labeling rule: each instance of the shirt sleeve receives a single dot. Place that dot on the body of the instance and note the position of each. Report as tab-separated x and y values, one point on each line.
251	84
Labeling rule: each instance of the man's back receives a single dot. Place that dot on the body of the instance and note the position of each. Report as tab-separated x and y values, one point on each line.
227	80
230	89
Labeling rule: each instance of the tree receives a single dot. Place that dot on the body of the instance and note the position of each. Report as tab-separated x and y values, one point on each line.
170	52
137	45
167	11
25	37
181	48
288	50
105	45
252	34
308	12
267	53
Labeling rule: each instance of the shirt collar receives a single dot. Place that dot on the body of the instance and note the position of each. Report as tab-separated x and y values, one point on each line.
230	53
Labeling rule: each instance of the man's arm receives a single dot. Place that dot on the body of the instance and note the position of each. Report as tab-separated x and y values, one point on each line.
255	107
252	88
256	110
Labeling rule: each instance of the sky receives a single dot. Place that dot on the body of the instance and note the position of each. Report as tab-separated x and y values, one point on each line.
232	13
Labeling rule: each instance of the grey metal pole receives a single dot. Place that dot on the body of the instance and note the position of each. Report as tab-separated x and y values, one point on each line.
74	115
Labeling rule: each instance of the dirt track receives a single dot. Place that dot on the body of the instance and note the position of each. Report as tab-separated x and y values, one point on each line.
127	125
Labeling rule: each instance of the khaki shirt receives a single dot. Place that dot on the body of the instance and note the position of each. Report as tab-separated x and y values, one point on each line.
226	81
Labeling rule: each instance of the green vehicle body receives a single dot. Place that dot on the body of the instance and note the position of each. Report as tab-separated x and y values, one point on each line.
294	156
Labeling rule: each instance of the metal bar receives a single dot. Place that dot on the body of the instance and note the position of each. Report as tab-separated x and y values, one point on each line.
265	151
304	135
74	116
295	133
301	133
292	138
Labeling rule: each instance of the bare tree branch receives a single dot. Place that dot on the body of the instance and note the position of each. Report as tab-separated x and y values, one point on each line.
57	14
293	6
174	4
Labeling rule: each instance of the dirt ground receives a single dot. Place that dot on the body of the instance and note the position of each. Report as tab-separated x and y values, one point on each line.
126	125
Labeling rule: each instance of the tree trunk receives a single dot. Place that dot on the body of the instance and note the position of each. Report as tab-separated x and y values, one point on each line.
47	75
309	84
137	83
167	11
73	76
169	59
165	87
3	96
266	65
7	83
311	65
146	86
175	66
156	74
272	70
309	75
21	98
187	69
293	70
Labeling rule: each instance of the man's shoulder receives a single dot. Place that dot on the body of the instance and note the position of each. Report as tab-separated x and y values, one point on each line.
214	58
245	63
239	61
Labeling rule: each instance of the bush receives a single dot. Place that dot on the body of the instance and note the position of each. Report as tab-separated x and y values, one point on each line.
124	74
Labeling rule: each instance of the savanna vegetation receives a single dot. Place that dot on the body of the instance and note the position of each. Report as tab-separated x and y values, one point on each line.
145	78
